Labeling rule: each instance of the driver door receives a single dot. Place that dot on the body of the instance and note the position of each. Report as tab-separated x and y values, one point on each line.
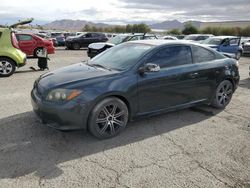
172	85
230	46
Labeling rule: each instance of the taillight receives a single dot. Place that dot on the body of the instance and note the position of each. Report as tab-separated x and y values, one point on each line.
14	41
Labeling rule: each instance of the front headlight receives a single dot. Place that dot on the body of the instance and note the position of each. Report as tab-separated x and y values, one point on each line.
62	95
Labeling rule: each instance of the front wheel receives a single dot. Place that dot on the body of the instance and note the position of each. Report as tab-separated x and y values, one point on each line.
238	55
7	67
108	118
223	95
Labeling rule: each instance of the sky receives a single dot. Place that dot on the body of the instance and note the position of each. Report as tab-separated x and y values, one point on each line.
125	11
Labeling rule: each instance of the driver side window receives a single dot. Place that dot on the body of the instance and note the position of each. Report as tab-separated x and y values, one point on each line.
172	56
88	35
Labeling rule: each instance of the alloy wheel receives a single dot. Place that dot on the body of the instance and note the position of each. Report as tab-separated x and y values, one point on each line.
224	93
110	120
5	67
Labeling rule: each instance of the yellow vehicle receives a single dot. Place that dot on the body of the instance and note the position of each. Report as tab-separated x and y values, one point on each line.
10	54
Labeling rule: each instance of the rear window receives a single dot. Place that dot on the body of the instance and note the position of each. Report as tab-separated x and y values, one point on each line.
201	54
24	37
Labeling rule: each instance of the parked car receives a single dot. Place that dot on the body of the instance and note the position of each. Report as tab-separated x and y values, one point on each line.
197	37
245	42
229	45
96	48
246	48
32	44
168	37
180	37
60	38
10	54
44	36
76	43
130	80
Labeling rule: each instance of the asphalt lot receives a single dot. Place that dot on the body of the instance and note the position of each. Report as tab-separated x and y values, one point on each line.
200	147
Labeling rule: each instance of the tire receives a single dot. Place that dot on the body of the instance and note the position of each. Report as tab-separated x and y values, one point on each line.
7	67
36	51
238	55
108	118
223	94
76	46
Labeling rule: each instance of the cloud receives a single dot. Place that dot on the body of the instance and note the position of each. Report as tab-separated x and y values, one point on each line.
126	11
195	9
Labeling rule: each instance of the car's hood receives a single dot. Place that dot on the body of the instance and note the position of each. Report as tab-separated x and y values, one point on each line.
247	44
100	45
71	74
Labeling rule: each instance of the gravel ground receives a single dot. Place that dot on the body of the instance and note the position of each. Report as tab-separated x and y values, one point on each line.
199	147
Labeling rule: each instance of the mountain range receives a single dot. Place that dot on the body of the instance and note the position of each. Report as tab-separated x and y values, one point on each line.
77	25
68	24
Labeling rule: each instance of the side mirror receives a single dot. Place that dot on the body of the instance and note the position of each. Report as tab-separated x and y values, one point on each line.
149	67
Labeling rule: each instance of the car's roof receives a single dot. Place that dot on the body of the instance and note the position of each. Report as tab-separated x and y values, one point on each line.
159	42
200	35
223	37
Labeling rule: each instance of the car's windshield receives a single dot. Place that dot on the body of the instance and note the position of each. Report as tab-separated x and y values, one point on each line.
117	39
121	57
215	41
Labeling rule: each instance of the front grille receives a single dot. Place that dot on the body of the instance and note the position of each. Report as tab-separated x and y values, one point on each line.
247	48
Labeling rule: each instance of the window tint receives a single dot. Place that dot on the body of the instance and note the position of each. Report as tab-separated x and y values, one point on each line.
234	41
149	37
88	35
135	38
172	56
96	35
202	55
121	57
24	37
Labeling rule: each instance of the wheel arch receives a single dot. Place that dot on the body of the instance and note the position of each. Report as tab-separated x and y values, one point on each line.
116	95
9	59
232	81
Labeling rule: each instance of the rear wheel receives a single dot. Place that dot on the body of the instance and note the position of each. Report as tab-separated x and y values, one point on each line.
108	118
76	46
223	95
7	67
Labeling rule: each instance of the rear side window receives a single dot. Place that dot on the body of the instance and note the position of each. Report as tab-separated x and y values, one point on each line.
97	35
24	37
172	56
202	54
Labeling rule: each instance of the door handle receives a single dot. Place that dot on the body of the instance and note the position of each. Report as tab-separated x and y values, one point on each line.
193	75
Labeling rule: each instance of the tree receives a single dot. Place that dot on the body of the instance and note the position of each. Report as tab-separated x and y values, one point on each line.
94	29
246	31
143	28
174	32
189	29
86	28
129	28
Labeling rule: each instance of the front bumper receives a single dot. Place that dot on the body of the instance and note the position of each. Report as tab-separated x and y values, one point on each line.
69	116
